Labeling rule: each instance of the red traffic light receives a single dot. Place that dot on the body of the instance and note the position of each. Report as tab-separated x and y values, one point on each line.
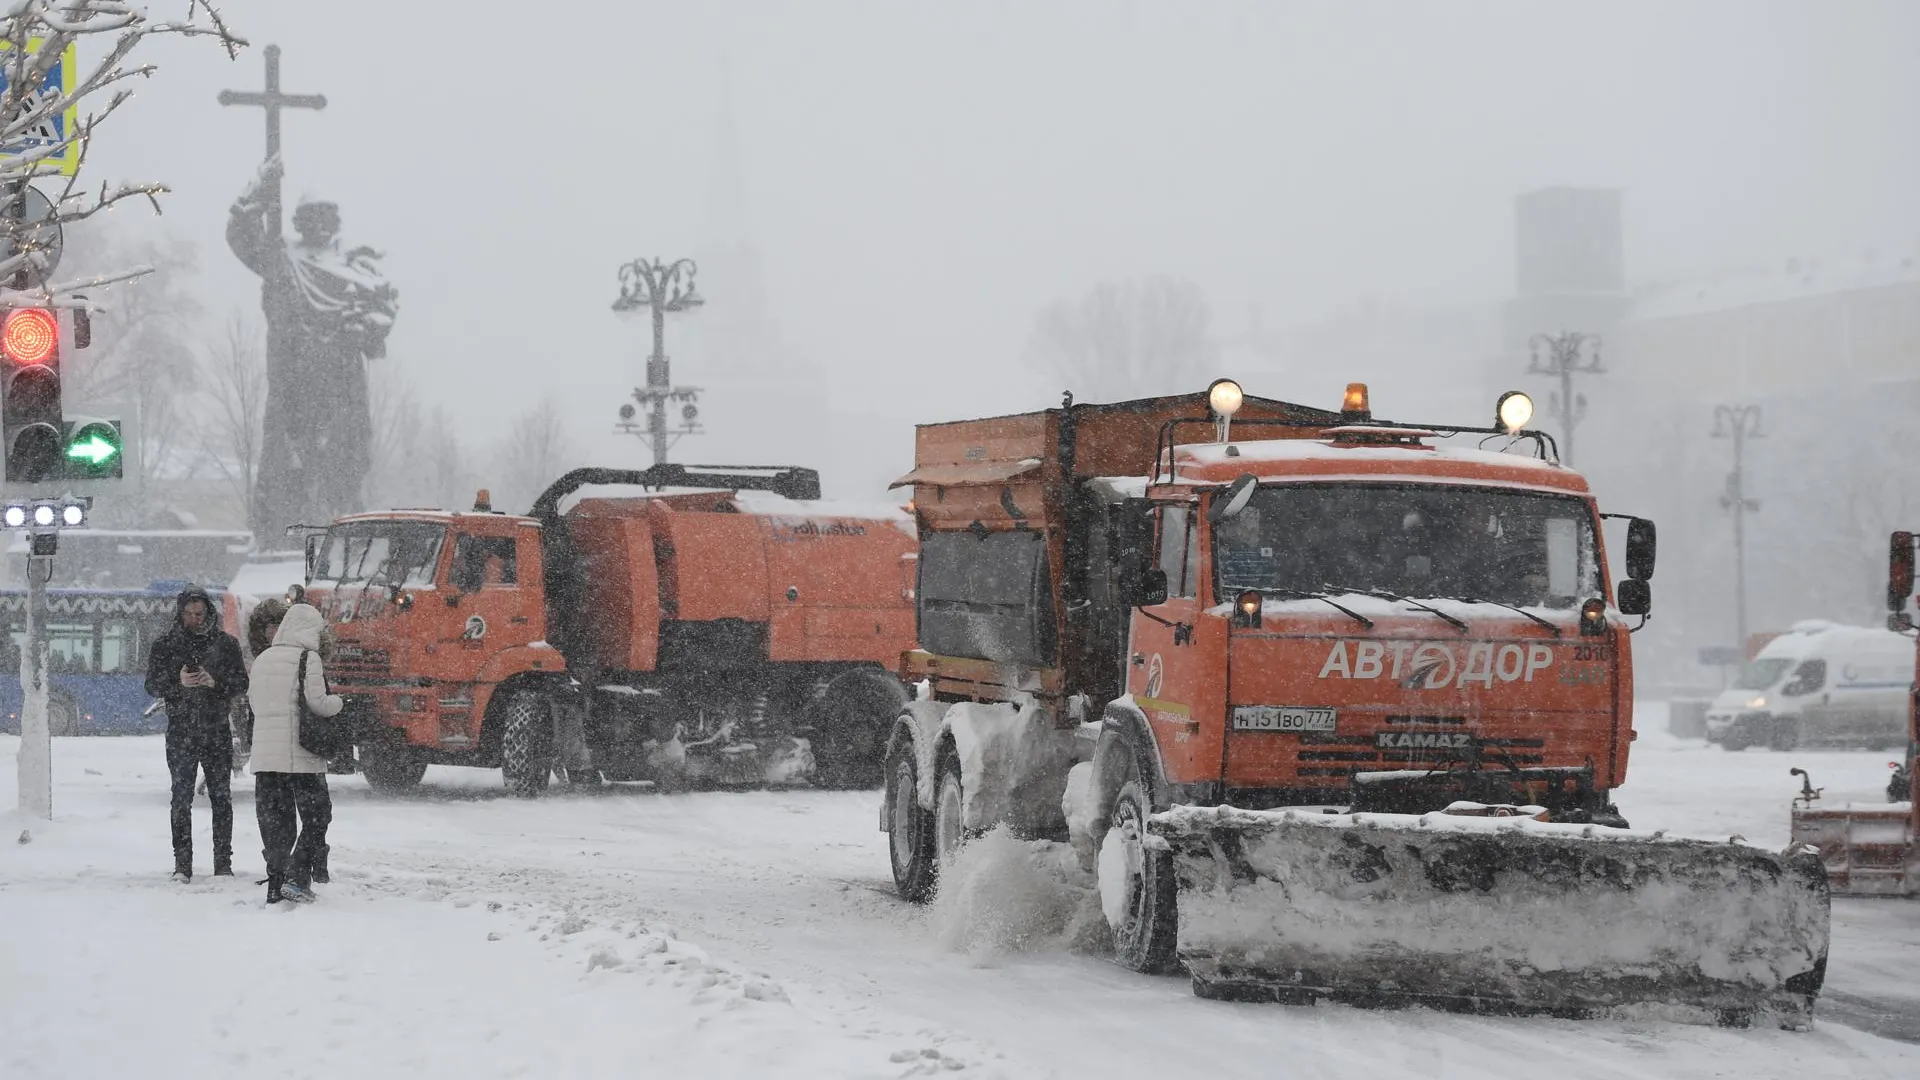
30	335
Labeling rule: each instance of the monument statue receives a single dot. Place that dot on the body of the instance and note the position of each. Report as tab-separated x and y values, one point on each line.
328	312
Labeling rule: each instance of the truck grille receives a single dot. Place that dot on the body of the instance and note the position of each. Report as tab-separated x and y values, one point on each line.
1344	755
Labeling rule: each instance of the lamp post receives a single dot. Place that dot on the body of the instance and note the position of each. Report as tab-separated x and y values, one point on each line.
1563	356
660	288
1739	423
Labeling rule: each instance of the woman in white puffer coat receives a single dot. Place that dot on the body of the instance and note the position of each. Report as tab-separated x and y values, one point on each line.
290	783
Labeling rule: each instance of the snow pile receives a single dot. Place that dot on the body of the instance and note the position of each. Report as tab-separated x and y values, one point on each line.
1119	868
1004	895
1513	909
1016	745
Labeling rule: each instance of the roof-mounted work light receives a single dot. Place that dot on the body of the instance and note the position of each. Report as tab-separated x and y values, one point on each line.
1224	398
1513	411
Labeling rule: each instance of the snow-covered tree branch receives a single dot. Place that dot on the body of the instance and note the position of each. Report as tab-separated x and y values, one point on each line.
48	123
1127	339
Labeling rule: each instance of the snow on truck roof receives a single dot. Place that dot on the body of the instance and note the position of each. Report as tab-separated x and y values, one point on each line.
1329	459
761	503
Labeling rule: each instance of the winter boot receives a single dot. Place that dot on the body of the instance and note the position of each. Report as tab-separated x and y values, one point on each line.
183	869
274	894
223	867
320	865
299	894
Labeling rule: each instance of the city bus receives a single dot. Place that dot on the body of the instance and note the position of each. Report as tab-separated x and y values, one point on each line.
97	653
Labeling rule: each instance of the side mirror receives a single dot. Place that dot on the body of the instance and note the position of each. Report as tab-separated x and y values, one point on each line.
1147	590
1634	596
1233	499
1899	572
1640	550
313	553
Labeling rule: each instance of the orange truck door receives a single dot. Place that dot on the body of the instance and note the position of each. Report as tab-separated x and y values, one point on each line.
1166	665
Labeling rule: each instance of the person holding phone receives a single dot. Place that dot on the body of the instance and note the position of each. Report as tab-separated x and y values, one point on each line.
197	670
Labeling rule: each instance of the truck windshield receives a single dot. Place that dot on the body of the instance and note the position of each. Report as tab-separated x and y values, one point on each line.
1509	547
1762	673
391	552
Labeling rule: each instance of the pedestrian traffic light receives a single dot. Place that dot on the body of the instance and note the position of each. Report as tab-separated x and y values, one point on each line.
30	410
42	514
90	450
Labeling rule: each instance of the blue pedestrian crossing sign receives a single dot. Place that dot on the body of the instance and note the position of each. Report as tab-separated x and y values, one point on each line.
52	126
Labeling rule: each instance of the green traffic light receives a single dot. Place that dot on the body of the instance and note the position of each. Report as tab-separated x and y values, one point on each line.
95	450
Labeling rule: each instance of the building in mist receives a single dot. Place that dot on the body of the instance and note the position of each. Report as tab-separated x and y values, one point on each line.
762	400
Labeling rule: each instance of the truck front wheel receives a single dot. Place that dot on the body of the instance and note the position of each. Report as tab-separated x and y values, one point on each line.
526	745
1137	887
389	767
909	827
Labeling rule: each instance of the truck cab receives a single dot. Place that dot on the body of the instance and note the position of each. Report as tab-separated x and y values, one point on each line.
1369	619
432	614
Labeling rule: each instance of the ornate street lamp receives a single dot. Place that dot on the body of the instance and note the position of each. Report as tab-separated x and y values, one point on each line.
660	288
1563	356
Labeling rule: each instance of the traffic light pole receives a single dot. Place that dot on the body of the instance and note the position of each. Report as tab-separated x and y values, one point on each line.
36	736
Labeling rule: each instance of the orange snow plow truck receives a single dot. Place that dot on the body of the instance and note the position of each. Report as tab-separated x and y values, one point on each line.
1328	709
737	635
1875	850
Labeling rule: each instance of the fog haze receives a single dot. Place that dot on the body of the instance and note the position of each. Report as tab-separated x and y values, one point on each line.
918	180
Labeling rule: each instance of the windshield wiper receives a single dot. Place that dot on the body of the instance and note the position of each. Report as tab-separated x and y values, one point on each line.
1512	607
1298	594
1383	594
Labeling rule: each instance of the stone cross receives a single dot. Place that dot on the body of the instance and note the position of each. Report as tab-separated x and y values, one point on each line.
272	100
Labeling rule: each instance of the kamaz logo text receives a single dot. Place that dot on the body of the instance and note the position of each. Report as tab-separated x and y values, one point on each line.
811	529
1430	665
1422	740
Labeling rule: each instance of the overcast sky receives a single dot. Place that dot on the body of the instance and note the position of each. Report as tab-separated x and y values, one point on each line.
921	177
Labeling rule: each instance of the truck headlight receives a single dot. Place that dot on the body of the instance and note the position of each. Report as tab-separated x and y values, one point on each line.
1757	703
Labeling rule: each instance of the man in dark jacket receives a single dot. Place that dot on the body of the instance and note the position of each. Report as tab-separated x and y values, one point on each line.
196	668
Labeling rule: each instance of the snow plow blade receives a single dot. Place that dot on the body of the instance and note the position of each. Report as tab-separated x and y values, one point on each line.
1502	915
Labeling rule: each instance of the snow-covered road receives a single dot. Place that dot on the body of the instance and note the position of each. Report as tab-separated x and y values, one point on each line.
754	935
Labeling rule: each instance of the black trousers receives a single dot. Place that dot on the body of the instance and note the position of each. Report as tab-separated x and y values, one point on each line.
293	810
190	752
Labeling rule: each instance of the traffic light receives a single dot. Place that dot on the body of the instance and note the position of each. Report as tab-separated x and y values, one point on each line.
30	412
90	450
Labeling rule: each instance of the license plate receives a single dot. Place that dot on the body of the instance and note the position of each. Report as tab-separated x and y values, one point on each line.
1281	718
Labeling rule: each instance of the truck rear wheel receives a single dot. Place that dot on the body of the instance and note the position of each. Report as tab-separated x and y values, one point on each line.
1137	887
850	721
390	768
526	745
910	828
949	812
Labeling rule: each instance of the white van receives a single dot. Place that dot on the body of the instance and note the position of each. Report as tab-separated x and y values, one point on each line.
1819	684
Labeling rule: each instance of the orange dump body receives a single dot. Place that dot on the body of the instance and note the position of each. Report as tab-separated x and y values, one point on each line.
814	586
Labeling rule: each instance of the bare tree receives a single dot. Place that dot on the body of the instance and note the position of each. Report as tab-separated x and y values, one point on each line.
419	458
448	472
141	357
535	452
234	371
47	127
396	476
1128	339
